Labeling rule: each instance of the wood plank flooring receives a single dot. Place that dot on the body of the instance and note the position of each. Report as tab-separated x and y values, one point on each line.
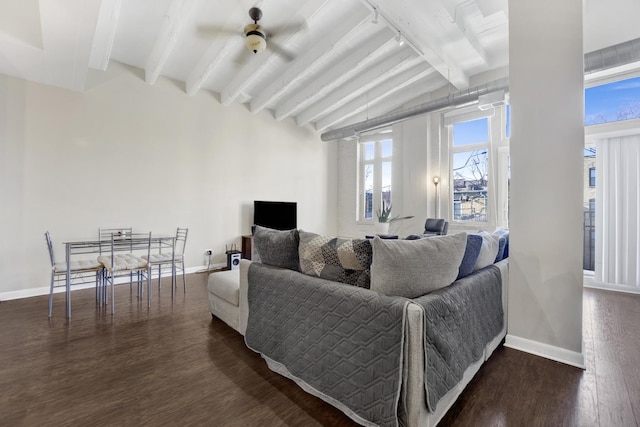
173	364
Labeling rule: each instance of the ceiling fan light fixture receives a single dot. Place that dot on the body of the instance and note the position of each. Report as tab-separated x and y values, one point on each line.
255	39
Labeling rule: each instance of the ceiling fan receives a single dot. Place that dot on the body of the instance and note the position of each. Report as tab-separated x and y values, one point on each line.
257	39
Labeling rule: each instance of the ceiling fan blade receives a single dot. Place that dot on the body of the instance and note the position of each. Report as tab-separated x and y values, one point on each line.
211	31
279	50
287	29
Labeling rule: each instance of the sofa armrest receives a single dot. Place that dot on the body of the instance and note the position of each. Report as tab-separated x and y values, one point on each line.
243	303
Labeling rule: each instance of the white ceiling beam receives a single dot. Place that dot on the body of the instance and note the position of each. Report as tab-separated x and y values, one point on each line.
397	100
355	63
105	34
454	11
314	59
419	26
66	46
402	60
177	16
306	11
376	95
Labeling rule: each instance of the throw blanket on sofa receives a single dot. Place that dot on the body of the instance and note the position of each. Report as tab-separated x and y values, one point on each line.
460	321
344	342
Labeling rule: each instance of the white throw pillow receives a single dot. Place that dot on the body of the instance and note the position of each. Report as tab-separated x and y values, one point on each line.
489	250
411	268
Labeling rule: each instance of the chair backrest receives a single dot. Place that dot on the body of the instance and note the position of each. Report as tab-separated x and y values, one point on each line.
435	226
50	247
106	234
181	240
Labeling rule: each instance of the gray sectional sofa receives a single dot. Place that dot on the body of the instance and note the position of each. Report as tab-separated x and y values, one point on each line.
382	359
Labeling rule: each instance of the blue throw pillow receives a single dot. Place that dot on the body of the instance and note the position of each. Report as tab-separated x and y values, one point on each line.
503	233
471	254
502	242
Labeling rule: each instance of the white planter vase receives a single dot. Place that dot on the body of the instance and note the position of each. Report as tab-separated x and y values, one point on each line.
381	227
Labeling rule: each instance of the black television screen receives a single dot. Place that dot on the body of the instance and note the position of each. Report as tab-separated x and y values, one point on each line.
277	215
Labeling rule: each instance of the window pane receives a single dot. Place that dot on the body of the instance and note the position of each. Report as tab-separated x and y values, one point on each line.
386	183
369	150
507	131
612	102
386	148
368	191
473	132
470	179
589	201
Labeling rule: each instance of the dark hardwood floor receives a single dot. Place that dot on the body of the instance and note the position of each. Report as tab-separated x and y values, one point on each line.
173	364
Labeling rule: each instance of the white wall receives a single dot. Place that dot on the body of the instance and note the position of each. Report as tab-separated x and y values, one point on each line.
127	153
547	141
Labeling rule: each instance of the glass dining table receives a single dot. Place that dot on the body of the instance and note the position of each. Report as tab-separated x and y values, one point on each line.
121	243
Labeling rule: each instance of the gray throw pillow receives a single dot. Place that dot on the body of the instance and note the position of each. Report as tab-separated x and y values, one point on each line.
277	248
411	268
489	251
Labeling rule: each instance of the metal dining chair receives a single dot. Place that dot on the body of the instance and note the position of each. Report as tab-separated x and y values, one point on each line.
174	260
120	260
82	271
104	235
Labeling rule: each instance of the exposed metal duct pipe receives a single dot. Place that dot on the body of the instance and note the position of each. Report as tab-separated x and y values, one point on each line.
609	57
612	56
455	99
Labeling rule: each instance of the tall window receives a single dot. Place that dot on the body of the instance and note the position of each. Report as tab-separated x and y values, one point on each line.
470	147
375	158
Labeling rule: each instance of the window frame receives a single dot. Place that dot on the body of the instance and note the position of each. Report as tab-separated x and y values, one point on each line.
497	147
377	161
480	146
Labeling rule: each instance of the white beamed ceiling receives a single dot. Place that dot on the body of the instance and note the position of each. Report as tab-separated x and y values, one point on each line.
344	67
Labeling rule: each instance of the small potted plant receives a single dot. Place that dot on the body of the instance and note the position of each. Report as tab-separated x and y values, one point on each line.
385	219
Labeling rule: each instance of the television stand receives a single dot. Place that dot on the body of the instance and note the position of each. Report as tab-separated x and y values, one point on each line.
248	249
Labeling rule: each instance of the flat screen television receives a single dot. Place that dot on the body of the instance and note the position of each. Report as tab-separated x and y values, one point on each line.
278	215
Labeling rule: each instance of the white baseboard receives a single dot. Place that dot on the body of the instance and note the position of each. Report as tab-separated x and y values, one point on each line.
34	292
547	351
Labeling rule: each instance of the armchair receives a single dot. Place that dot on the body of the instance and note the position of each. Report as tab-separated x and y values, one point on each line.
432	227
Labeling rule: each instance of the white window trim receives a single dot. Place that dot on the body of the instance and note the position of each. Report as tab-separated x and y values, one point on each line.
497	147
377	167
465	117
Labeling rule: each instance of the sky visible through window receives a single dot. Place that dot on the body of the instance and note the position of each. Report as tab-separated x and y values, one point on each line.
612	102
467	133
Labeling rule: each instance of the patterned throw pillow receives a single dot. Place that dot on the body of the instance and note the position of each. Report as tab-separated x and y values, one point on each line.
332	258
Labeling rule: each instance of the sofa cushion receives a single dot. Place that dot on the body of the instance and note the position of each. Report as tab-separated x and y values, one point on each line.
277	248
338	259
410	268
471	254
489	251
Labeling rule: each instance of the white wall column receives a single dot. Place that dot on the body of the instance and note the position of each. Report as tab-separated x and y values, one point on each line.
547	139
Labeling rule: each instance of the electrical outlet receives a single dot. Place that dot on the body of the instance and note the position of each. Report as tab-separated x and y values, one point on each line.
208	252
